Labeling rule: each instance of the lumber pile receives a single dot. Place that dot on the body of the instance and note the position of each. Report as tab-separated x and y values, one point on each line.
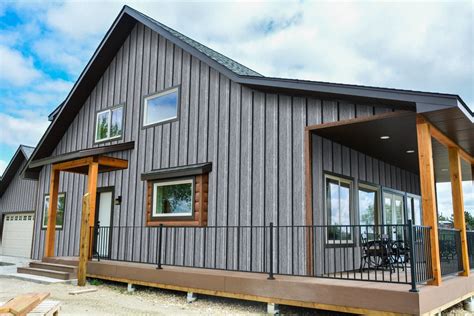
24	304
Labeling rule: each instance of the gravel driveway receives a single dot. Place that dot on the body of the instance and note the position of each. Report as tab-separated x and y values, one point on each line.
113	299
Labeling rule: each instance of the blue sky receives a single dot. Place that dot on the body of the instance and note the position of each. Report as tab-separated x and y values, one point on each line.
424	46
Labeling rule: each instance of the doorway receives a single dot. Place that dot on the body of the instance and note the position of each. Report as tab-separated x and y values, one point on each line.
393	214
103	221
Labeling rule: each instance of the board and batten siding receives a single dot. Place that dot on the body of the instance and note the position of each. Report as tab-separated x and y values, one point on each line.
20	195
254	140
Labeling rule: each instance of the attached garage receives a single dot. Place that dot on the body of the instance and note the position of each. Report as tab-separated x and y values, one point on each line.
17	234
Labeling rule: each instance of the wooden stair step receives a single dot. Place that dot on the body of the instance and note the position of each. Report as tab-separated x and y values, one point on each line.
46	273
53	266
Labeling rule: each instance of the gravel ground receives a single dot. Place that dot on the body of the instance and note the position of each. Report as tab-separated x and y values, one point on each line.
113	299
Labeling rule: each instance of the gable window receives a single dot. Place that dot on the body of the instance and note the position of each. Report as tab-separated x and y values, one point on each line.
338	209
368	209
109	124
173	198
59	211
161	107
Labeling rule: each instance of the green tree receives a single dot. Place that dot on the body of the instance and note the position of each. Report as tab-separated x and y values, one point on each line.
469	220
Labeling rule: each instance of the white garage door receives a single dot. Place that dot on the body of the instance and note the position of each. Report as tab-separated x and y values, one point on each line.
17	234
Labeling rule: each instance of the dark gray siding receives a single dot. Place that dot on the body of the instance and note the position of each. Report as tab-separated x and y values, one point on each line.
20	196
253	139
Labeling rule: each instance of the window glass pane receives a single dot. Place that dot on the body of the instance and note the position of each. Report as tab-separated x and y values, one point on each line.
417	211
173	198
59	211
387	207
338	199
333	202
102	128
161	107
367	206
116	122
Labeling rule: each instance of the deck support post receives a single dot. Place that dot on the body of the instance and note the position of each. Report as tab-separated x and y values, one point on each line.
191	297
273	309
428	193
52	210
458	204
130	288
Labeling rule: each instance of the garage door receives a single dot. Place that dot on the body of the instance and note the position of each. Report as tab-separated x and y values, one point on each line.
17	234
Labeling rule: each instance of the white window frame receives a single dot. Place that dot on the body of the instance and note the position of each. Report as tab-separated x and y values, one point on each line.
333	242
109	123
156	185
45	210
157	95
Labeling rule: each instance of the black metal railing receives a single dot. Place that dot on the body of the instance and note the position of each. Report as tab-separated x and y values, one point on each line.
380	253
470	247
450	251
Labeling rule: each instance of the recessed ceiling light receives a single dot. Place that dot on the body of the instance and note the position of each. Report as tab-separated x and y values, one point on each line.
444	169
384	137
410	151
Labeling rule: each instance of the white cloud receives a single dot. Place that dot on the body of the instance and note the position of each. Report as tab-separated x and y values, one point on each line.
25	128
3	166
16	69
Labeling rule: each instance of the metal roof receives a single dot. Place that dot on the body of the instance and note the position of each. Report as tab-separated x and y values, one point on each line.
22	153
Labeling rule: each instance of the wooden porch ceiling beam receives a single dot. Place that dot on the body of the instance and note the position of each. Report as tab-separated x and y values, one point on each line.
64	166
458	204
428	194
113	162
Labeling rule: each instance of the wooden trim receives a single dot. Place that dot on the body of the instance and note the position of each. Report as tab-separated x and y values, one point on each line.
199	216
52	210
249	297
428	194
363	119
458	204
84	241
446	141
309	201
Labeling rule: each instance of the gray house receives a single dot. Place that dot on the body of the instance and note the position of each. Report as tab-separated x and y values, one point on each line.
187	158
17	207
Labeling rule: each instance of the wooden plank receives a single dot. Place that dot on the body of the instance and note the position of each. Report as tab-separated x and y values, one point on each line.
445	140
428	194
84	241
458	204
52	209
113	162
92	189
22	304
72	164
82	291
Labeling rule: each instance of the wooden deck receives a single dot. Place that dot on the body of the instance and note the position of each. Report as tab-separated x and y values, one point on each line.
360	297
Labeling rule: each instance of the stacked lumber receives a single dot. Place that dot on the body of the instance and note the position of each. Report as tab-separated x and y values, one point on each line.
22	305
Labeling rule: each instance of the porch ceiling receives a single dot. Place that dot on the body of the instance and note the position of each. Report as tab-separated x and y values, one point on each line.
365	137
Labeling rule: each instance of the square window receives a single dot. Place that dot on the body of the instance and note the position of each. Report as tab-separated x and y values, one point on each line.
59	211
173	198
109	124
161	107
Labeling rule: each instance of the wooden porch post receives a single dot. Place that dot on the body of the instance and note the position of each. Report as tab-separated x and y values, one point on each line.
87	221
428	193
52	210
458	204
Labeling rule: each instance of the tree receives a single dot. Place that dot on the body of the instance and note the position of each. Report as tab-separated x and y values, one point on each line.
469	220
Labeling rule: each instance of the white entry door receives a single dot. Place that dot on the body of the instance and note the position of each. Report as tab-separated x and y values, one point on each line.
17	234
104	222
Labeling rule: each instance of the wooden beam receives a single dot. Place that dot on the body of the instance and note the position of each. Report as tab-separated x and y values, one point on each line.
84	244
428	194
64	166
113	162
363	119
92	190
52	210
308	200
446	141
458	204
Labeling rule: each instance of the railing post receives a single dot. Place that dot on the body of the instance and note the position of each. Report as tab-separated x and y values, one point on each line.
160	235
412	256
270	273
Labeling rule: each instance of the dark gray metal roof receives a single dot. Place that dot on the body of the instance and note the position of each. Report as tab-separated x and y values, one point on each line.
27	150
22	153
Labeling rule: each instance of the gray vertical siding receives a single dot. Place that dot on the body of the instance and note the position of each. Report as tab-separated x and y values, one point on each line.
20	195
255	141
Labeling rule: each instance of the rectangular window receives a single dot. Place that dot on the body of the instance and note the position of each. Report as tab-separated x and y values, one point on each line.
109	124
368	210
161	107
59	212
338	209
393	208
173	198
